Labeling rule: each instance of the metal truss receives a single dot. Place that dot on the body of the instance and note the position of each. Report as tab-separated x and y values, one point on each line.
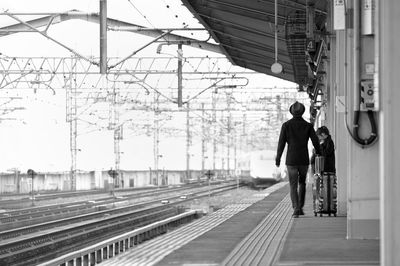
46	20
131	86
139	97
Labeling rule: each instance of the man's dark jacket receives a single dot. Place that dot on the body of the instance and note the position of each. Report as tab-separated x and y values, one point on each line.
296	132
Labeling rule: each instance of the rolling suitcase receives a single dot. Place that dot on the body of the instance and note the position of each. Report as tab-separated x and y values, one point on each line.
315	192
319	165
325	194
324	188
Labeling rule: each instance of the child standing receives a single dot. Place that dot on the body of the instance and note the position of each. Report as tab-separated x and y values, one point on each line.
327	149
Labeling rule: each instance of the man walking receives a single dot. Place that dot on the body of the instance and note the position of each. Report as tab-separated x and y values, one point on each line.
296	132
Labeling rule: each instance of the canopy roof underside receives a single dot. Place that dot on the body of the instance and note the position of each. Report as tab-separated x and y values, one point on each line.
245	31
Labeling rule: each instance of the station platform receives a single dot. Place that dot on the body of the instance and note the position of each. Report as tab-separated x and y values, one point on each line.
260	231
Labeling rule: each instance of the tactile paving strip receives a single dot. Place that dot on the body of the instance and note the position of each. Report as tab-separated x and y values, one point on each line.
262	244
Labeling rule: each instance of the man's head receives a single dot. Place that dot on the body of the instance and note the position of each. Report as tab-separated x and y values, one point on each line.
297	109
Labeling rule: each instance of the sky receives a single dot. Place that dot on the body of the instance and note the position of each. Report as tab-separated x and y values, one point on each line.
38	136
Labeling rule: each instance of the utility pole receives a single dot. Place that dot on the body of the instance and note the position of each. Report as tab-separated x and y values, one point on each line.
234	136
103	36
180	58
222	153
188	141
214	125
279	108
117	128
229	137
118	135
71	93
156	137
203	139
31	173
243	139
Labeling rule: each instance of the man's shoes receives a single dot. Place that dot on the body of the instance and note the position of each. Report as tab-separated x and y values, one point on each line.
296	213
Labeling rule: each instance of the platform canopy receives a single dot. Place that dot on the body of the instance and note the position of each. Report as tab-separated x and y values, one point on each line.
245	30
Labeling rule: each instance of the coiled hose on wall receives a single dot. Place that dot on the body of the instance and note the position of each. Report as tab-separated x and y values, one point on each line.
374	130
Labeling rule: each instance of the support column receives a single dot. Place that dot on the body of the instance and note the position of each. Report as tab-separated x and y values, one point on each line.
340	135
363	163
389	88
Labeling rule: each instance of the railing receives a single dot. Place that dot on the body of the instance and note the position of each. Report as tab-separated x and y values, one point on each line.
111	247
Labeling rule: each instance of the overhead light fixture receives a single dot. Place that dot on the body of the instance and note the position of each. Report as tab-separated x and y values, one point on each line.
276	67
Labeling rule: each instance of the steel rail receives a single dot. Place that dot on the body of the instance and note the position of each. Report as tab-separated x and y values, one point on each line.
29	217
99	214
27	249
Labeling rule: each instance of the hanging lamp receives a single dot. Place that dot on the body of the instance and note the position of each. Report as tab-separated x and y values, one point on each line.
276	67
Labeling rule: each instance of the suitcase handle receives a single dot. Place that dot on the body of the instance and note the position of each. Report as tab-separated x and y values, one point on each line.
319	164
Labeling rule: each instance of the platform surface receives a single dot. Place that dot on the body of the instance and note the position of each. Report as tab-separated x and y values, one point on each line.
213	247
322	241
265	234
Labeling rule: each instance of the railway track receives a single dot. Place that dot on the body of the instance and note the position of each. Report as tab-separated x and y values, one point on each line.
30	250
26	217
37	243
15	201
